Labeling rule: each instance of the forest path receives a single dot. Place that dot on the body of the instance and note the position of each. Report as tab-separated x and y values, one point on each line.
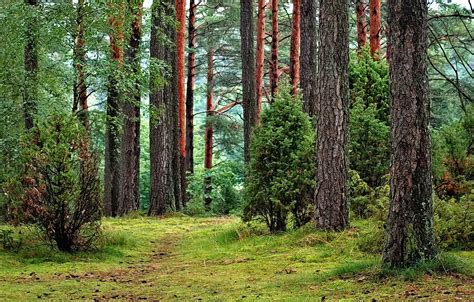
218	259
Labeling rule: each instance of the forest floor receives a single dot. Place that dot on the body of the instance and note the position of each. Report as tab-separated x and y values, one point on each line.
184	258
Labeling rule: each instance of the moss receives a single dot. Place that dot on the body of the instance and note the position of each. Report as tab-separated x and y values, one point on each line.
222	259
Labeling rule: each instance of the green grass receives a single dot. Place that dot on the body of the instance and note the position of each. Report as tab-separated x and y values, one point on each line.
222	259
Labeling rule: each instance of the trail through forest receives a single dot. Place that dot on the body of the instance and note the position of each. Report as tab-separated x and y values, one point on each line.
182	258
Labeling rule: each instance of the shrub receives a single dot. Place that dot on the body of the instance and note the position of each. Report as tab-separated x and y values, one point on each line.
366	202
58	186
225	195
369	118
454	223
280	178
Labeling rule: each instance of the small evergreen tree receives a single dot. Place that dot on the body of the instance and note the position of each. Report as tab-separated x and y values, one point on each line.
369	118
281	176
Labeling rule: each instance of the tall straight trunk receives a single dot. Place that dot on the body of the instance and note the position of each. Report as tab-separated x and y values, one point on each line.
190	87
249	86
130	199
112	180
332	114
274	53
181	89
295	46
309	46
208	140
164	134
80	105
375	27
30	90
409	227
260	56
361	8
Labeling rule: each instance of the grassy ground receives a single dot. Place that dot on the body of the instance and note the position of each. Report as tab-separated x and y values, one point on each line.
183	258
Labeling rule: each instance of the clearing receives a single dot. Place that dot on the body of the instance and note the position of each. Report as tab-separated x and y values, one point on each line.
185	258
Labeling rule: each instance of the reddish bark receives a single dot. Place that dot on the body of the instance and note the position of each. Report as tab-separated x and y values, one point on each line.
181	89
295	47
274	53
181	61
209	128
260	56
361	24
190	87
375	27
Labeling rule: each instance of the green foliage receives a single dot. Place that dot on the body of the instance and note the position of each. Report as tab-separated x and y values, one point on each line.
8	242
368	202
454	223
225	195
369	118
280	179
57	188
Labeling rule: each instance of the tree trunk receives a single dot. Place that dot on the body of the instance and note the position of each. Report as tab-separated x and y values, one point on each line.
409	227
181	89
112	181
30	91
375	27
190	87
80	105
164	134
209	129
309	62
295	47
260	56
274	53
361	24
332	113
249	85
130	199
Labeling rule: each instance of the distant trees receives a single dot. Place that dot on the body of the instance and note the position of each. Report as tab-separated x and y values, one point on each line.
260	56
409	227
274	67
332	116
295	46
361	8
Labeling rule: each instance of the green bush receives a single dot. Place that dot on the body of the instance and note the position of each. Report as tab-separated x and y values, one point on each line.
280	178
367	202
369	118
57	188
225	194
454	223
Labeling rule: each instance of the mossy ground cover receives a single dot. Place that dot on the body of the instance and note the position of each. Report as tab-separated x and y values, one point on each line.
184	258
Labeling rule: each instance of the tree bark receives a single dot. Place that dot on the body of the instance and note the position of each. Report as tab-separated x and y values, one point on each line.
181	90
260	57
30	91
361	7
248	73
164	134
209	129
190	87
295	47
332	114
275	45
409	227
309	62
80	105
130	199
112	173
375	27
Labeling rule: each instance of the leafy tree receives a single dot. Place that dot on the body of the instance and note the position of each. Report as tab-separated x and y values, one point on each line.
280	179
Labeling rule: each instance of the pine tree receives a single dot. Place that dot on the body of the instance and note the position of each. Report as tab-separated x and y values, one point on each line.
309	62
332	116
409	228
375	27
295	46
